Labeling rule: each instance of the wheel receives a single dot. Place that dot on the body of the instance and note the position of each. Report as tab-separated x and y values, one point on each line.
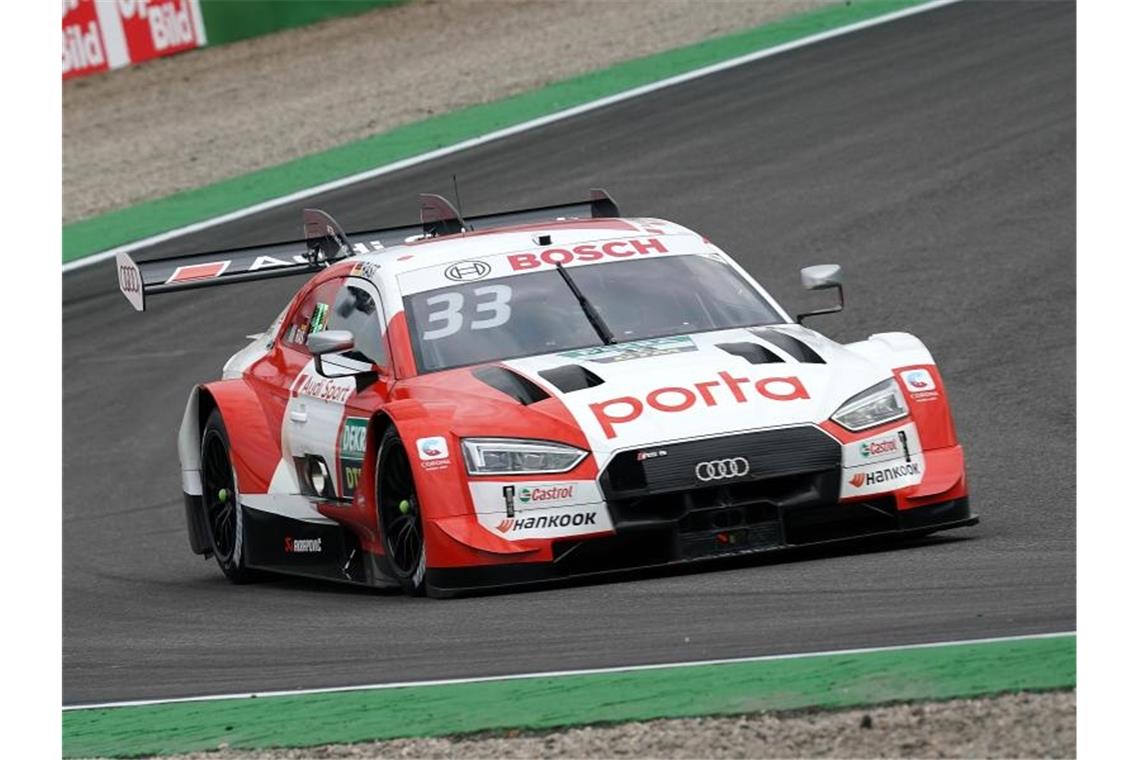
398	509
220	501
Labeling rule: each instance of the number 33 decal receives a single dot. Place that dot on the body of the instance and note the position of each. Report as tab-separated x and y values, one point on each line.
493	300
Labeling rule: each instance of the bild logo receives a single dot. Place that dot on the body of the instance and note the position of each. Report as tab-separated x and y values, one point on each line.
433	448
918	381
465	271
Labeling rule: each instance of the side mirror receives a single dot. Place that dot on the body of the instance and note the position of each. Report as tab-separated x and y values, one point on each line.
330	342
822	277
334	342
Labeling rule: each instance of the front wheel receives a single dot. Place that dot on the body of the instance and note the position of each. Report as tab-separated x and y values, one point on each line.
398	509
220	501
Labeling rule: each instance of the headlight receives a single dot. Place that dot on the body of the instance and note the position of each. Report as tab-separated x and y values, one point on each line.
878	404
492	456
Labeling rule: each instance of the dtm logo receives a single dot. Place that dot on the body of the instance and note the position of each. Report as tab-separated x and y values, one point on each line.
722	469
465	271
678	399
885	475
515	524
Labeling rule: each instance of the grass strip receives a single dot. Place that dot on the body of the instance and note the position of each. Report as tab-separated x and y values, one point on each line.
829	681
95	234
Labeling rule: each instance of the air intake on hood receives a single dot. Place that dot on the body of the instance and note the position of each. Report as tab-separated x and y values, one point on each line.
797	348
515	386
571	377
753	352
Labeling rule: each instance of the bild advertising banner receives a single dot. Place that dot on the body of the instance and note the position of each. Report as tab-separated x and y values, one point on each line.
108	34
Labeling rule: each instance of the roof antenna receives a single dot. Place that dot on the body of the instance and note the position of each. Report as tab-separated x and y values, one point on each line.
458	201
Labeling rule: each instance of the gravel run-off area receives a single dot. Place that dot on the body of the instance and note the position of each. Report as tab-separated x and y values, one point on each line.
1013	725
189	120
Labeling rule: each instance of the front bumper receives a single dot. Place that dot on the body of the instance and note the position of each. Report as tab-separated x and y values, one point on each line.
645	546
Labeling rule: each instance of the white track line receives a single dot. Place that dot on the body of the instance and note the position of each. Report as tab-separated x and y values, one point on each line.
562	673
500	134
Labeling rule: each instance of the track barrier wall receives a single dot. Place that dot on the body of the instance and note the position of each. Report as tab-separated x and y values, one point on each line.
99	35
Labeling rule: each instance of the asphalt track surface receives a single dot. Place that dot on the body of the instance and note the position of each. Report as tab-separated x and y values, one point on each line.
933	157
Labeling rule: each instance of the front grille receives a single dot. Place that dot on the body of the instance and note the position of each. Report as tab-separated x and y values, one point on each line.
662	487
769	454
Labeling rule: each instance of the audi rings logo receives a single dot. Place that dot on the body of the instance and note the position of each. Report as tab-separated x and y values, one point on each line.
129	279
467	270
722	469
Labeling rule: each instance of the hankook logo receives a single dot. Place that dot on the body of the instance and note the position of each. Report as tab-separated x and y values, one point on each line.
465	271
722	469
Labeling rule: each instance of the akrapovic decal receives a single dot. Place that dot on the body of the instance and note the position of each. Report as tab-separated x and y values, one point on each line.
302	545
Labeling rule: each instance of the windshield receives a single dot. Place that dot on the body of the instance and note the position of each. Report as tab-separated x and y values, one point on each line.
538	313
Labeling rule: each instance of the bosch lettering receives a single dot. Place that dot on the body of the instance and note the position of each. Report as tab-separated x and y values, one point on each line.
588	252
625	409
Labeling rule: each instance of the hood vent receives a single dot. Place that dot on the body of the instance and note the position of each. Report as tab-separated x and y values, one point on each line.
515	386
798	350
752	352
571	377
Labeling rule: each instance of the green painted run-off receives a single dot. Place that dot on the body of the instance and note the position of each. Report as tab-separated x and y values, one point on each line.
826	681
99	233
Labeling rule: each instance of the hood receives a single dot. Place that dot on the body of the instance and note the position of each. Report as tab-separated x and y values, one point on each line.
662	390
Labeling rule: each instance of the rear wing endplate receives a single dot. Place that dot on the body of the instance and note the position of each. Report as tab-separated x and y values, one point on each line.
325	243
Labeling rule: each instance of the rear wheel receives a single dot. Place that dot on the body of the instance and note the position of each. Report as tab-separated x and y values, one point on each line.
398	508
220	501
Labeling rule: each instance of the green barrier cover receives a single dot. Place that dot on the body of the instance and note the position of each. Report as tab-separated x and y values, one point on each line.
826	681
99	233
232	20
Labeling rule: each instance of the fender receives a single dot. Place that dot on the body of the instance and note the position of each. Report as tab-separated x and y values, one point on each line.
411	418
893	349
255	446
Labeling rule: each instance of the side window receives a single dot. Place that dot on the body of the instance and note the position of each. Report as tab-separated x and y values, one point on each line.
312	315
355	309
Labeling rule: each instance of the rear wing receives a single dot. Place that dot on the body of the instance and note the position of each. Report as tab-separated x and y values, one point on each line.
326	243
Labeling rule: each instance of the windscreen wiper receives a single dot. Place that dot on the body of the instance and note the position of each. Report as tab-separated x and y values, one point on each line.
591	313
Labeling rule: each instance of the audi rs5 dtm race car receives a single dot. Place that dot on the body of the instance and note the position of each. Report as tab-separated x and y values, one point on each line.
536	394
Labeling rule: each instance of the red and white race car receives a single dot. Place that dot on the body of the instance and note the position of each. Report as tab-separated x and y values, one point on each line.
543	393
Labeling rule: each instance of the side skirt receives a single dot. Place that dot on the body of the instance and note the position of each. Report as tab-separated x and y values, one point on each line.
325	551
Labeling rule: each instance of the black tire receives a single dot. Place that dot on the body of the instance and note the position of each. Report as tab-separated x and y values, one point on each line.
398	511
220	501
